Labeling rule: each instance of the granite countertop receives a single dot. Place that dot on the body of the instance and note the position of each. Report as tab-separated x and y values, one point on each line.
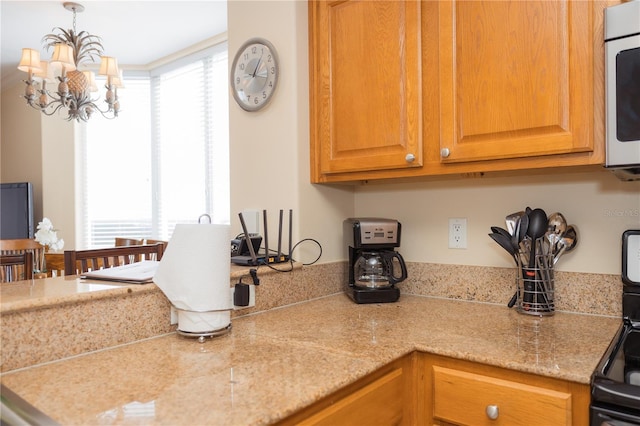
274	363
55	291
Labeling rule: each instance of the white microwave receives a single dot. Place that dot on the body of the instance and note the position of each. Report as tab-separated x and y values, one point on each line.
622	89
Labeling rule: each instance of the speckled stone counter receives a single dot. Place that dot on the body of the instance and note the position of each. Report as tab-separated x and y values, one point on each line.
276	362
48	319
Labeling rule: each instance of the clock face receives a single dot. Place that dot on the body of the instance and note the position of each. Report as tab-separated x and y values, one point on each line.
254	74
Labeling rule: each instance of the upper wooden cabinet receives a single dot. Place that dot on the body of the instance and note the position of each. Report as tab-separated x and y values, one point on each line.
366	71
496	86
516	78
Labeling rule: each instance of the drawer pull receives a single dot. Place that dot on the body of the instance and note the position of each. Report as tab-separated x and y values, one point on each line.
410	158
444	152
492	411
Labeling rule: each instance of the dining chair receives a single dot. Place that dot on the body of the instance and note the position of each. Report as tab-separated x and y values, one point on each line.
122	241
25	245
125	241
16	267
164	243
80	261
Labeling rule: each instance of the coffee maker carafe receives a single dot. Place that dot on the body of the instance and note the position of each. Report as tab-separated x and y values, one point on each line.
374	265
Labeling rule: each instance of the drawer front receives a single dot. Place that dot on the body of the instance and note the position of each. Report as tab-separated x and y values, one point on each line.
469	399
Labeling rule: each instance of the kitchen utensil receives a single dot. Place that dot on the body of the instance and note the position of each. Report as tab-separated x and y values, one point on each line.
505	239
523	229
498	230
557	227
537	227
566	243
511	221
504	242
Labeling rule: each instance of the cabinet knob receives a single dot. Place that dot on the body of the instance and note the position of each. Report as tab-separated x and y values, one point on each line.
444	152
410	158
492	411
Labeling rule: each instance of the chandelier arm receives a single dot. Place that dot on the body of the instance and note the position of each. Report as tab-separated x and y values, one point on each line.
44	110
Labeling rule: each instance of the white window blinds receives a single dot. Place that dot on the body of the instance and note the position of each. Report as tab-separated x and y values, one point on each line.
165	159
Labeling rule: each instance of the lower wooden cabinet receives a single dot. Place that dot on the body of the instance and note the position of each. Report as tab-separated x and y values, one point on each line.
385	397
464	393
422	388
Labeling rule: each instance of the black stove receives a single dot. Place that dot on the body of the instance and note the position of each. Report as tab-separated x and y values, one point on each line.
615	384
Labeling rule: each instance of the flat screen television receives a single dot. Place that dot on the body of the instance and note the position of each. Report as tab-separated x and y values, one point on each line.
16	210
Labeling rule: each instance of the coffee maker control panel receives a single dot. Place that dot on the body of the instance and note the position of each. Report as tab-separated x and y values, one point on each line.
374	232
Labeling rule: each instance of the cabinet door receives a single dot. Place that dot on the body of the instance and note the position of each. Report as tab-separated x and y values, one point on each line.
365	86
377	403
385	397
516	78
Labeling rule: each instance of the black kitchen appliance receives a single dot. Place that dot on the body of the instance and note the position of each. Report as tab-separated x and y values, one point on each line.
615	384
374	265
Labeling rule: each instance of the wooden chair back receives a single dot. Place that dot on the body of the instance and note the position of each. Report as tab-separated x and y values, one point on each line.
121	241
26	245
80	261
16	267
164	243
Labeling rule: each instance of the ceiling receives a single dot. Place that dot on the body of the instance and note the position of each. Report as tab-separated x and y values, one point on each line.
137	33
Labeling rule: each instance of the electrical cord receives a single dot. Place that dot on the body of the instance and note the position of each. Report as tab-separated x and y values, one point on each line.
312	240
291	259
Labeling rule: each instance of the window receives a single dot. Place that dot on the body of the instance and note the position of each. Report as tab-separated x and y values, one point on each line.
165	159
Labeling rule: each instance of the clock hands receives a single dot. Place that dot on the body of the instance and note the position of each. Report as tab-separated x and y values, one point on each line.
257	65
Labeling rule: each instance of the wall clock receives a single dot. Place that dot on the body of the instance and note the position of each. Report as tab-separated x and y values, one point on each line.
254	74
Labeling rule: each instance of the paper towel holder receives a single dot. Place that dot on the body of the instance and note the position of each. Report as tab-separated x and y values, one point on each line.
201	335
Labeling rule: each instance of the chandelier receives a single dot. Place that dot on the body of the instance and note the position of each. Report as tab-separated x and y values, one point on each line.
70	50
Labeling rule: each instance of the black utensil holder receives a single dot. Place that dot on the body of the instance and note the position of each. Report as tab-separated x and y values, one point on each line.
535	287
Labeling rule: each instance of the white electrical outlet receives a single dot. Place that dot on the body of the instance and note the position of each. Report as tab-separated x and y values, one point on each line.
458	233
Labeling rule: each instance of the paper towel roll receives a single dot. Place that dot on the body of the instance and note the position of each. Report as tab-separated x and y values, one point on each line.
194	275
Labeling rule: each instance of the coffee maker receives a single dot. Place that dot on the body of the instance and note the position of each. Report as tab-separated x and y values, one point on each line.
374	265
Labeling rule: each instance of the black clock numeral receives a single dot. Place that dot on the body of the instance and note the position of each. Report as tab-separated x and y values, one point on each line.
273	70
269	58
246	56
264	95
255	100
241	66
237	80
254	49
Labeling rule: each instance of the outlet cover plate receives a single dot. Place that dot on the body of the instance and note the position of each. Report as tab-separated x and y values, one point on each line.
458	233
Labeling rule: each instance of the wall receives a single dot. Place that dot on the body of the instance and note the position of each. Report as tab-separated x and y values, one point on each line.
20	148
40	150
600	206
269	149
